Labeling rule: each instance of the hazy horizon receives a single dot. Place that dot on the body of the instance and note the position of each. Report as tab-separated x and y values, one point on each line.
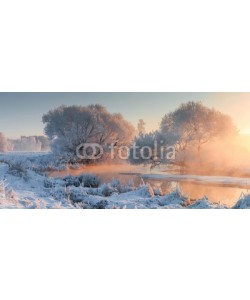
21	113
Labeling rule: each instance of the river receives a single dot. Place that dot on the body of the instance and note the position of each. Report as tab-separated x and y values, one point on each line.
224	190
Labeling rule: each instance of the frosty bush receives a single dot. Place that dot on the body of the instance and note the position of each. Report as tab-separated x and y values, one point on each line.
17	168
101	204
81	199
72	181
85	180
106	190
116	183
204	203
39	163
59	193
47	163
145	191
175	198
158	192
125	188
48	183
77	194
122	188
89	180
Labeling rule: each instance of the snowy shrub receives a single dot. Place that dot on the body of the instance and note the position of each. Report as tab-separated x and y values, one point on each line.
90	180
106	190
204	203
59	193
42	163
81	178
72	181
48	183
158	192
77	194
175	198
116	183
125	189
17	168
80	199
121	188
90	203
29	161
243	202
145	191
101	205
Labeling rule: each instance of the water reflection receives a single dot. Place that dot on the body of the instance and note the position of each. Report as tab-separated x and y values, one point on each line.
228	195
216	193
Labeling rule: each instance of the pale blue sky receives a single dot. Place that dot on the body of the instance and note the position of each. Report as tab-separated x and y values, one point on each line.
21	113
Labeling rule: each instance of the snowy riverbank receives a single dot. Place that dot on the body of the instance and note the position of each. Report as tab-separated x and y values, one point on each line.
86	192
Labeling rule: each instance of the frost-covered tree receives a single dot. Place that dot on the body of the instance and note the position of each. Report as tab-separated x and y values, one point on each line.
141	127
3	143
151	149
187	129
69	126
142	151
193	125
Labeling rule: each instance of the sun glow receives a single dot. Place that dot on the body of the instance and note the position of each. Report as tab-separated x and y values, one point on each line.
237	105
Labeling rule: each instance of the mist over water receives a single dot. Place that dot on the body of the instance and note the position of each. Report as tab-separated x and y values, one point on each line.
230	157
218	193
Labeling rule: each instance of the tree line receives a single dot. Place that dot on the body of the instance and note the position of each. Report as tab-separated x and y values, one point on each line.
188	129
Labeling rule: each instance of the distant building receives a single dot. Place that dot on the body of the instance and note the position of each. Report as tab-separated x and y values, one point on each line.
30	144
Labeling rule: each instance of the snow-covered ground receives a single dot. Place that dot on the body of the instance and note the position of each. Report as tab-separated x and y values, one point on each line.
24	184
